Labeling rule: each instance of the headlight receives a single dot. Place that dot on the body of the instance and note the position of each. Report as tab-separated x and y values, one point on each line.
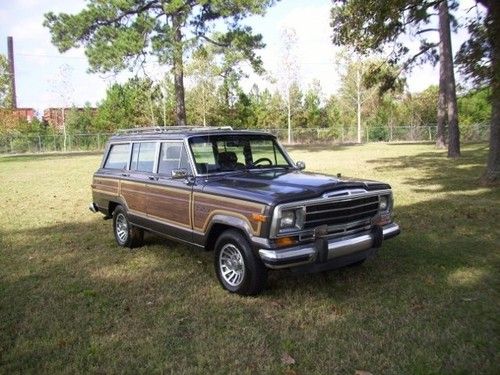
287	219
383	203
292	218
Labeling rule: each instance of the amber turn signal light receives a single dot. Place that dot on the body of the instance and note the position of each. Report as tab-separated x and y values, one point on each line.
285	241
259	218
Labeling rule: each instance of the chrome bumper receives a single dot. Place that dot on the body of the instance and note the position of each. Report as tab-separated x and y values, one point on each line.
338	247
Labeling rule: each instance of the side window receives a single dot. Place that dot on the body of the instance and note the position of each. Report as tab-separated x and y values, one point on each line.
203	153
143	156
117	157
173	155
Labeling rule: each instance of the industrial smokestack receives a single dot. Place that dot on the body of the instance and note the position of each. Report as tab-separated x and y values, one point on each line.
10	52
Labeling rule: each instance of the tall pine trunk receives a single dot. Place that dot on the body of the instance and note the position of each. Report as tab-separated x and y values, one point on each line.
441	108
492	173
178	69
449	81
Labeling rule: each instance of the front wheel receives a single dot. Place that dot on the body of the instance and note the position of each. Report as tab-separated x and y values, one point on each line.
126	234
237	268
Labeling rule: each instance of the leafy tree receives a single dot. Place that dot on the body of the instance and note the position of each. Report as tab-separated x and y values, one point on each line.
422	106
5	86
475	107
314	113
370	25
479	60
81	121
357	93
119	34
165	100
9	122
202	97
333	113
268	109
126	106
230	67
288	72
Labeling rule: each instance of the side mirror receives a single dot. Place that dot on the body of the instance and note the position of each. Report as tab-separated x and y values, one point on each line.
300	165
179	173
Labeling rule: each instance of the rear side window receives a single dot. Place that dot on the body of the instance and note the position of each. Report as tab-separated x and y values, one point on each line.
143	156
117	157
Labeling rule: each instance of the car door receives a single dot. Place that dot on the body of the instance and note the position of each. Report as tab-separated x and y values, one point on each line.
133	185
169	199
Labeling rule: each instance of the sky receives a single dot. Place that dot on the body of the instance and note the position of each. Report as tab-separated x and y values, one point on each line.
45	78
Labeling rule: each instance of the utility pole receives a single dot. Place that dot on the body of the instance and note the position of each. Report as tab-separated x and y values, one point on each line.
10	52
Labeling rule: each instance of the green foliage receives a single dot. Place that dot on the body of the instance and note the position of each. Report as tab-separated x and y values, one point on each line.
268	110
5	95
81	121
368	25
475	54
127	106
475	107
422	106
314	113
202	98
119	34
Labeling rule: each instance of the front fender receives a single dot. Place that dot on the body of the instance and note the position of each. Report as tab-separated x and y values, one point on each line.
235	221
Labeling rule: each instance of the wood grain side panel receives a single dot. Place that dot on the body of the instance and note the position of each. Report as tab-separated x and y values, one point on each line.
169	204
105	185
206	206
135	194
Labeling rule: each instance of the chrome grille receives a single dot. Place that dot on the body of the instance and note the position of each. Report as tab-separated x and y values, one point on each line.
341	212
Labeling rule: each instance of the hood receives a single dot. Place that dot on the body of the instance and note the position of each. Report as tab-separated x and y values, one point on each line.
280	186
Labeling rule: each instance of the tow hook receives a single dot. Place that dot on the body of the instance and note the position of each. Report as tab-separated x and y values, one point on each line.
378	235
321	242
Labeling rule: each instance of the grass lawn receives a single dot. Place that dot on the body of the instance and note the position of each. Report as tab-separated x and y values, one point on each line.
71	301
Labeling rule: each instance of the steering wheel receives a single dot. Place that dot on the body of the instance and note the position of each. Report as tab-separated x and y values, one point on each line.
260	160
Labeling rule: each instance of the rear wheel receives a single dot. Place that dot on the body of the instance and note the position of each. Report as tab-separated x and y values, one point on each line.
237	268
126	234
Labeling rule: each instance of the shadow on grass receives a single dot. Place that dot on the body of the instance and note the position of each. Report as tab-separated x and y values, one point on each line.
73	301
451	175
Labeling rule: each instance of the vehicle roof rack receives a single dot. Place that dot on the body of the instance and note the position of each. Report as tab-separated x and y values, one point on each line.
171	129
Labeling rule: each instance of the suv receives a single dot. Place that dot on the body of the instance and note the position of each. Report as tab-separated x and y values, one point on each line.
240	194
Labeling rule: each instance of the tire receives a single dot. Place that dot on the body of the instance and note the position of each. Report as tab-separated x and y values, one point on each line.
238	269
126	234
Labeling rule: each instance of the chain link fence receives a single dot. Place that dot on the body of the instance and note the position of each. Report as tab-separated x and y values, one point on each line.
469	134
40	143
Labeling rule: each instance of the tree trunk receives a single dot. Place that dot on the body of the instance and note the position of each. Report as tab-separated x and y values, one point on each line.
289	115
65	135
441	107
358	101
451	94
178	70
492	173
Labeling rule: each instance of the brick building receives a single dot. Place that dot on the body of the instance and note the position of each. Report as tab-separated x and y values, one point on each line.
55	117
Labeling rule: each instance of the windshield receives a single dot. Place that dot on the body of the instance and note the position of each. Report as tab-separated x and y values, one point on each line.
225	153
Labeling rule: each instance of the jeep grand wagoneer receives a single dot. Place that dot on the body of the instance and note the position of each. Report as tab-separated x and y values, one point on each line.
240	194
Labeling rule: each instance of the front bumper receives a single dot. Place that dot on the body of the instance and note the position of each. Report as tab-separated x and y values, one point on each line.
328	250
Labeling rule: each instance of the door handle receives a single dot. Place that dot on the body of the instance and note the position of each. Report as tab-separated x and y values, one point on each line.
125	174
153	178
190	180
